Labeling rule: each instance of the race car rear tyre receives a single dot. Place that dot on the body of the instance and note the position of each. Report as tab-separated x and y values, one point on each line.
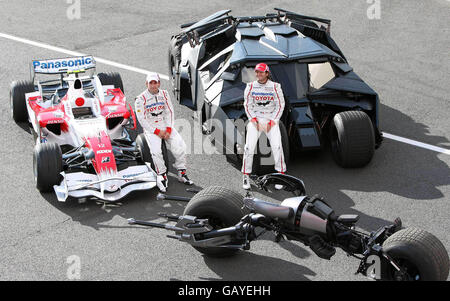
261	169
421	254
222	207
111	78
352	139
47	166
145	152
17	99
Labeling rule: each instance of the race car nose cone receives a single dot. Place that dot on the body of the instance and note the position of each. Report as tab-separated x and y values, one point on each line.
79	101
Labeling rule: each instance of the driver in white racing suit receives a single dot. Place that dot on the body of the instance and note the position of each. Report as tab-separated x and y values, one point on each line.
154	111
264	105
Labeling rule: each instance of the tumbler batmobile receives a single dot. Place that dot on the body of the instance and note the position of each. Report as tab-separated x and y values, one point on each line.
81	127
212	60
219	222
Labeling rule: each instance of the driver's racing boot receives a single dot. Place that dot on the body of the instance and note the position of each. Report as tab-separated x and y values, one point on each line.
246	182
183	178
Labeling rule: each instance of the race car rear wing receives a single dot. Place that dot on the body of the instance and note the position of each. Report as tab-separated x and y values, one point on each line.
62	65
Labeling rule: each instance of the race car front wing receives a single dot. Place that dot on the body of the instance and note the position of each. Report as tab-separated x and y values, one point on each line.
109	188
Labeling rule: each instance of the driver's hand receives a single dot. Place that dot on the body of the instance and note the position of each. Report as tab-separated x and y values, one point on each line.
255	123
269	126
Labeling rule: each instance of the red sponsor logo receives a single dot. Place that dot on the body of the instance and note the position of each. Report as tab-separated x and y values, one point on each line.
55	121
262	98
101	145
115	115
156	108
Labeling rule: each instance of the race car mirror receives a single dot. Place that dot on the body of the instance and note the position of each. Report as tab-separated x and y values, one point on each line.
132	123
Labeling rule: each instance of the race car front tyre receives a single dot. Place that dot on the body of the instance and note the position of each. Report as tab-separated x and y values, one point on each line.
47	166
146	155
419	253
17	99
111	78
222	207
352	139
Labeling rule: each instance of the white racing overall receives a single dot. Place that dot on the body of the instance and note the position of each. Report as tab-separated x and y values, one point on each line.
263	103
155	113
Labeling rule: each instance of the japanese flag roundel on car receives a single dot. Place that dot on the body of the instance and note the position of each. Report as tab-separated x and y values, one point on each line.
262	67
79	101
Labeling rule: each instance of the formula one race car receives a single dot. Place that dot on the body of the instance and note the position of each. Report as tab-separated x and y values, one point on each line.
219	222
212	60
81	125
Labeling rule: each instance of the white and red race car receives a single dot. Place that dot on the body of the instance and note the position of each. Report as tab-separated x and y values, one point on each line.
81	124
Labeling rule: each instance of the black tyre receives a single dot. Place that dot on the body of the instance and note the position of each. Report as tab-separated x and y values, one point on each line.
259	167
222	207
352	139
47	166
420	253
145	152
17	99
111	78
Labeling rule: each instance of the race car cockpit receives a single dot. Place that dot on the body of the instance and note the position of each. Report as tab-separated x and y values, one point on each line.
80	101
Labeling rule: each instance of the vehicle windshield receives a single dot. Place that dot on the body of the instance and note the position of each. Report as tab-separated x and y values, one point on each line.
296	78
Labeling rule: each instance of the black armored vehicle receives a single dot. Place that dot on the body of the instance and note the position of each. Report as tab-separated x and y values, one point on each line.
212	60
